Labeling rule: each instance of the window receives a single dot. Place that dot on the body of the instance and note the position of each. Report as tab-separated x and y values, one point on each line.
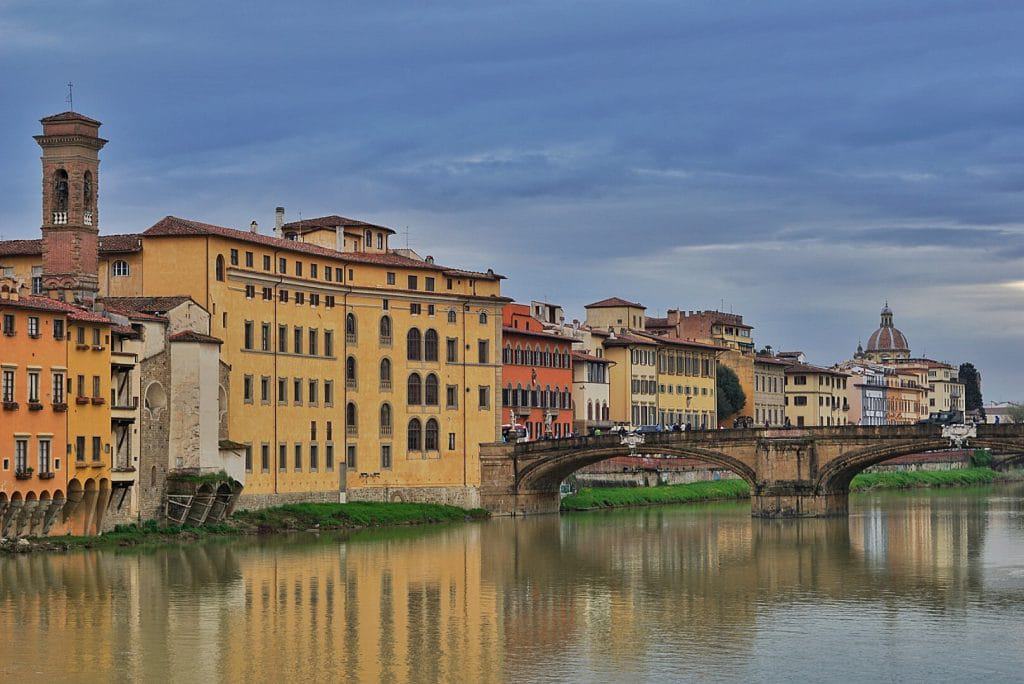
412	282
8	385
483	351
430	390
58	387
391	278
414	308
350	372
385	374
20	455
428	284
248	459
97	447
451	396
415	435
282	265
451	441
219	268
247	389
282	338
329	300
80	449
485	397
265	389
329	343
297	340
350	328
350	457
300	298
120	269
297	391
314	342
351	422
483	318
298	457
96	387
451	315
368	238
58	329
33	326
248	259
9	325
265	457
430	345
430	309
385	456
380	240
452	350
799	401
329	457
266	262
385	420
328	393
413	351
313	271
298	268
234	257
268	294
248	341
33	387
265	337
430	436
448	283
385	331
314	392
314	457
282	457
414	389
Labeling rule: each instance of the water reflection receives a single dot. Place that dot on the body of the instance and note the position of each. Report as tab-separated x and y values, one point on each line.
624	595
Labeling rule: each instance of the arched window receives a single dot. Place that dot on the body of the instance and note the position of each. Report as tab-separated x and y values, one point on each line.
350	328
518	356
87	190
350	371
451	315
368	238
385	420
120	268
430	345
519	400
590	410
430	390
385	374
220	267
430	436
604	412
412	339
483	318
547	356
351	423
60	195
415	389
415	435
385	330
506	354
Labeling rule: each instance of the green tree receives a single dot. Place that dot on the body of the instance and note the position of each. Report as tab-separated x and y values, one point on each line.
971	380
731	398
1015	412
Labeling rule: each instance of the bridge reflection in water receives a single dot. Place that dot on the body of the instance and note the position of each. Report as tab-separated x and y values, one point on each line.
622	595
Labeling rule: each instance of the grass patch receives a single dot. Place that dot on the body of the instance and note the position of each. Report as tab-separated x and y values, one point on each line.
930	478
304	516
612	497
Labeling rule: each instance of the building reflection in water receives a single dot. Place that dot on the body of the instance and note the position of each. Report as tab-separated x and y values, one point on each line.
538	598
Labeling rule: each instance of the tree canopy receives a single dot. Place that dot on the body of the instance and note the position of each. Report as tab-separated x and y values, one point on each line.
971	380
731	398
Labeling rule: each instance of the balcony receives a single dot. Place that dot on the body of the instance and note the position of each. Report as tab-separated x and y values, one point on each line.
385	385
350	338
385	430
23	474
60	218
123	402
352	430
350	383
87	218
385	342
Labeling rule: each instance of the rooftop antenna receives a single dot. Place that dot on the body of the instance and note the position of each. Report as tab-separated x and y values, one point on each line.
70	98
407	237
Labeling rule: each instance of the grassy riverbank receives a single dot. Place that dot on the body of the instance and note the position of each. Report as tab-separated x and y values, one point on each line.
291	517
614	497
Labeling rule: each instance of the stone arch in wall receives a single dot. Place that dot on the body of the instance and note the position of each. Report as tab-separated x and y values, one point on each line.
155	399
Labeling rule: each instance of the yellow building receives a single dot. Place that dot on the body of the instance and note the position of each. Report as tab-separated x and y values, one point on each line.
353	368
815	396
687	379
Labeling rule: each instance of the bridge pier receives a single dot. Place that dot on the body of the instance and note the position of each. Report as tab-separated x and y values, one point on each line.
784	502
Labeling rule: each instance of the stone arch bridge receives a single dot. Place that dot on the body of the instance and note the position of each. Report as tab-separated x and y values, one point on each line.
802	472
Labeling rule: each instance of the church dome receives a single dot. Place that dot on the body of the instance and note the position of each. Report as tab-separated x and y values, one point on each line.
888	338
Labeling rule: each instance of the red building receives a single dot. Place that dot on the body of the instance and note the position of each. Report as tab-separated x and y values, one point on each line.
536	374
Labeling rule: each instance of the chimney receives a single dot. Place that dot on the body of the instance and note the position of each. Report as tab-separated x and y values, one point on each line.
254	227
278	221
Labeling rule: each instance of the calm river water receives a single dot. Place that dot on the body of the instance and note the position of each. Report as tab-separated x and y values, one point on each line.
919	586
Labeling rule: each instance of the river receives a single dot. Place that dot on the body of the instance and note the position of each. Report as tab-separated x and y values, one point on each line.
915	586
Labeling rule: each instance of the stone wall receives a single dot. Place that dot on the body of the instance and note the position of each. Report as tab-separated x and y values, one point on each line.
463	497
252	502
650	478
155	435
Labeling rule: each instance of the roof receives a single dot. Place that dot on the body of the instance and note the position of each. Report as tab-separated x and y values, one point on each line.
652	322
683	342
613	302
109	244
38	303
888	338
231	445
193	336
808	368
772	360
584	356
508	330
153	306
68	116
331	222
125	330
625	339
172	226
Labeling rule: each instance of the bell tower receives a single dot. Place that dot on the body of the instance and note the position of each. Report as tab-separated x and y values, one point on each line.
71	145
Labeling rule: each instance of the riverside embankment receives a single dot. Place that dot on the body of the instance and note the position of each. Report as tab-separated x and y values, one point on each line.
615	497
276	520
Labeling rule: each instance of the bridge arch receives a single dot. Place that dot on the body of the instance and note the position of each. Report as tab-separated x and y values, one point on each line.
547	473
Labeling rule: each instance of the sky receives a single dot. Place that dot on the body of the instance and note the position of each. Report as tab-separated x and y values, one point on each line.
797	162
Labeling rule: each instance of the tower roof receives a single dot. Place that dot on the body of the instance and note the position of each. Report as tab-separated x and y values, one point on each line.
887	338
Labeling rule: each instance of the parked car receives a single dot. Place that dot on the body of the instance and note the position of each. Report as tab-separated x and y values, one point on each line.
943	418
648	429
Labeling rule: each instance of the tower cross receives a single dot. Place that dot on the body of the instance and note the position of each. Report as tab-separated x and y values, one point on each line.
70	99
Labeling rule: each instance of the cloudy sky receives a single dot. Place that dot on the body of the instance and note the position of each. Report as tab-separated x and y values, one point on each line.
797	162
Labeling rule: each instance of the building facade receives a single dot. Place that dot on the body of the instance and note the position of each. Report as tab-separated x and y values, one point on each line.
815	396
769	391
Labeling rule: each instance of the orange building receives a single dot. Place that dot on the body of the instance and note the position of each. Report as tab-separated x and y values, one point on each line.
536	375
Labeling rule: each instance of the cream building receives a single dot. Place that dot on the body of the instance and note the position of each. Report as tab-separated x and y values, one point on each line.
815	396
769	391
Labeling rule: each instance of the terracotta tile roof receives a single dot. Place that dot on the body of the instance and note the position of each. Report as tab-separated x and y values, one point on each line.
584	356
625	339
508	330
68	116
172	226
656	322
683	342
125	330
193	336
772	360
145	305
331	222
613	302
73	312
109	244
808	368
